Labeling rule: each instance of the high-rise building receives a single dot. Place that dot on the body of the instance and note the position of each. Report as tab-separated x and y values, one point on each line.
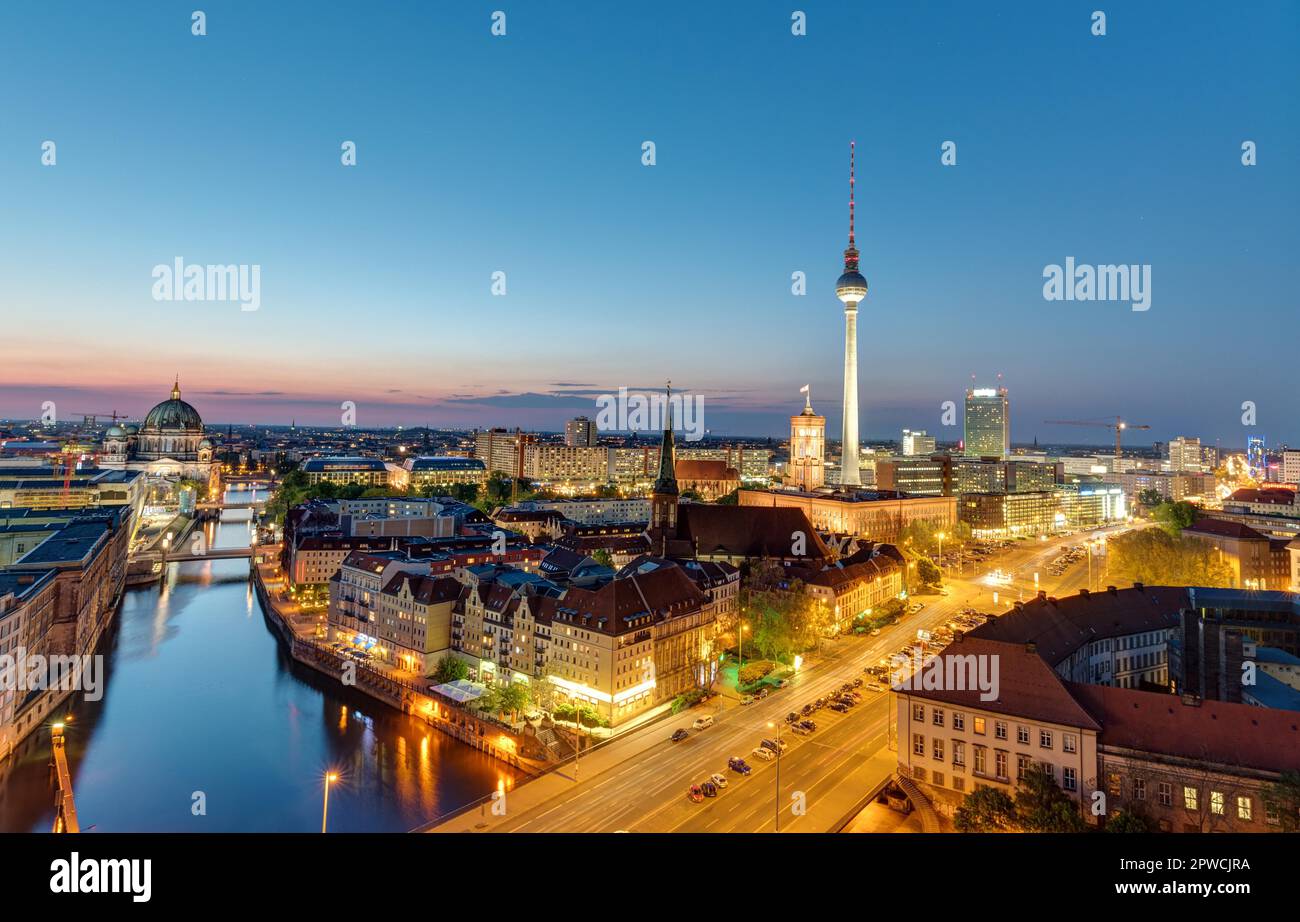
919	476
850	289
580	432
917	442
807	448
1291	466
988	423
1256	457
1185	454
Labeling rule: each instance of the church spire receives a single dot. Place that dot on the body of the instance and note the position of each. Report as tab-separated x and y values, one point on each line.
666	482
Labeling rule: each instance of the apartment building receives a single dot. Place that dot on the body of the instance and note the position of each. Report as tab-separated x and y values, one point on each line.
369	472
874	516
1257	561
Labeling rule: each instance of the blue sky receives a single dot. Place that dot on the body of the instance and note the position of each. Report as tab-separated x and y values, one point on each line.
522	154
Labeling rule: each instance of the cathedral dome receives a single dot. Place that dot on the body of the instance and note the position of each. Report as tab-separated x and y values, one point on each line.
173	415
115	432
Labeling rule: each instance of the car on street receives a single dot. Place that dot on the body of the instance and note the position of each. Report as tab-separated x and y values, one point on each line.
781	683
857	683
840	708
775	745
875	632
695	794
807	709
709	789
763	753
747	699
719	779
800	729
808	725
679	735
791	717
702	723
738	765
763	693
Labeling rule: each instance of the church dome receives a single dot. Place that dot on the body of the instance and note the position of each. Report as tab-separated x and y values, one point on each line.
115	432
174	414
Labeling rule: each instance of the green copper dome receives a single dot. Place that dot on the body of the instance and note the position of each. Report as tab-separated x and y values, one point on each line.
174	414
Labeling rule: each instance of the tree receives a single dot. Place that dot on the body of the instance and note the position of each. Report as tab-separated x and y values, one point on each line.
1284	794
731	499
1157	558
1130	820
1150	497
1041	806
603	557
928	573
512	699
450	669
1174	517
985	809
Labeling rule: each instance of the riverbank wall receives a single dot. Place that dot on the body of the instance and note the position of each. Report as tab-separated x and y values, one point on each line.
520	751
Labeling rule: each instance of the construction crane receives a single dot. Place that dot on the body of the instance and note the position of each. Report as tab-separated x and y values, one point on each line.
1119	425
91	419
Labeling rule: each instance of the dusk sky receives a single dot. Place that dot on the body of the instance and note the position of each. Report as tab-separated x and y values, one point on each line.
522	154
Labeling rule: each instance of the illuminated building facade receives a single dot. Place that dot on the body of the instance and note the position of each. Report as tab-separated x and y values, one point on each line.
806	470
987	423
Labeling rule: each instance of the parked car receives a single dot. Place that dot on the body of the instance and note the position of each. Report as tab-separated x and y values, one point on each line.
695	794
747	699
709	788
808	725
763	693
719	779
679	735
704	722
763	753
857	683
738	765
800	729
808	709
875	632
781	683
775	745
792	717
840	708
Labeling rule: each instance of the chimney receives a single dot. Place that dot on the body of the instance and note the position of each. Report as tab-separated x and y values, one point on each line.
1138	586
1020	606
1031	647
1084	593
1112	590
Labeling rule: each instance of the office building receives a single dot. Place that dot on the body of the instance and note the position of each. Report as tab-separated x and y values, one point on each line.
987	423
917	443
580	432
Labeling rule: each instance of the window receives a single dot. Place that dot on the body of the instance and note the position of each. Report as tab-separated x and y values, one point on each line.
918	773
1271	814
981	766
1245	810
979	726
936	716
958	720
958	752
937	778
1022	765
1044	739
1022	734
1190	797
918	744
918	713
1048	769
1114	786
959	783
937	749
1069	742
1068	779
1000	729
1165	794
1000	763
1139	789
1216	803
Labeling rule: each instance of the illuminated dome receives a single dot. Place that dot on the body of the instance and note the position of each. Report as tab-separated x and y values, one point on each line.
115	432
851	287
173	415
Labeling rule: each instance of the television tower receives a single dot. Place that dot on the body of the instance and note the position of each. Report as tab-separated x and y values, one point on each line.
850	289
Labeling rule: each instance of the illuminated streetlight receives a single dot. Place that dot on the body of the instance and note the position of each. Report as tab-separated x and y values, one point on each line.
330	778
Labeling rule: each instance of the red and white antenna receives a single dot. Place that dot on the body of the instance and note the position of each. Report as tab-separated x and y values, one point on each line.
852	145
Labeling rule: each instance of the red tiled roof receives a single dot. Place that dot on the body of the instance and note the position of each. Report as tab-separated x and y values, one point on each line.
1224	529
745	531
633	602
1027	687
1277	496
1217	731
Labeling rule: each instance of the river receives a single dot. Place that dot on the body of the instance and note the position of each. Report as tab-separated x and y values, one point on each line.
203	708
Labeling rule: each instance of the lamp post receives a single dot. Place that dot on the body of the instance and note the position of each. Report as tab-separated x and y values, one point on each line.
940	536
330	778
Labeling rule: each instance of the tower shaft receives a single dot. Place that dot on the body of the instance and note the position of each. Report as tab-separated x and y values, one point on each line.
849	468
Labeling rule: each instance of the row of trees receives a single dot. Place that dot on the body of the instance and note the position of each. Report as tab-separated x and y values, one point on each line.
1160	557
1038	806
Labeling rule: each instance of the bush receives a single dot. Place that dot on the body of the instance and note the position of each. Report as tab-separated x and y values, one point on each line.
687	699
755	671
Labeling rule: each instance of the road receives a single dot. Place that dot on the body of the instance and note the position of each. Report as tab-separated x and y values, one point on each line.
824	777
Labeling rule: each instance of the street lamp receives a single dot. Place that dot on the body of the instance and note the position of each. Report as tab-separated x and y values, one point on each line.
940	535
330	778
